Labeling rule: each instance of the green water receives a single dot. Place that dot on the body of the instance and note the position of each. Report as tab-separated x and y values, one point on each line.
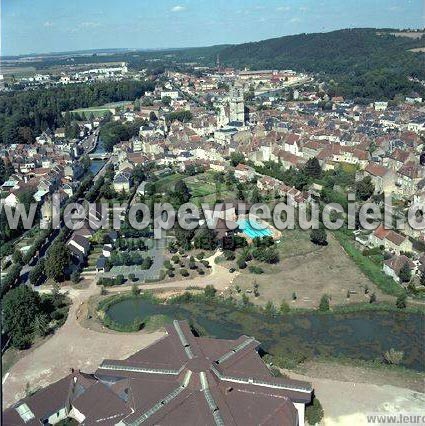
362	335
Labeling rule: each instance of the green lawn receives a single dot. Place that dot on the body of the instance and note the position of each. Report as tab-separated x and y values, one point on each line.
370	267
167	183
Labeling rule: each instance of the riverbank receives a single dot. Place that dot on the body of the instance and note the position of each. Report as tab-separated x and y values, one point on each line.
365	333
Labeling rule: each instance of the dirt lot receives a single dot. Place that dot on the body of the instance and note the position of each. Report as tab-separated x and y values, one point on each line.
368	391
72	346
310	271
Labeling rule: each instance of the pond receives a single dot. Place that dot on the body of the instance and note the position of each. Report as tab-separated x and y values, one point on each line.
362	335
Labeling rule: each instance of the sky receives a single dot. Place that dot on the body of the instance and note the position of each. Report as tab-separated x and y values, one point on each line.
41	26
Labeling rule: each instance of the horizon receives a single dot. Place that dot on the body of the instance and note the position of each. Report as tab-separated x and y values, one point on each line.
55	27
171	48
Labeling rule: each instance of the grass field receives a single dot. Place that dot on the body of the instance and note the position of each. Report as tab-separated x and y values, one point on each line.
310	271
18	72
101	110
167	183
204	189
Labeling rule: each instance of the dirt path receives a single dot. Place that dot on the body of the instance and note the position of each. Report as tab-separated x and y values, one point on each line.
219	277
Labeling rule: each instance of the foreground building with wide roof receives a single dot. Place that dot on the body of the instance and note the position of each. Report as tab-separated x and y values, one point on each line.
178	380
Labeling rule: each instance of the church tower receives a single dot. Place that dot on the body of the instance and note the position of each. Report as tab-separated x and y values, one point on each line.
237	105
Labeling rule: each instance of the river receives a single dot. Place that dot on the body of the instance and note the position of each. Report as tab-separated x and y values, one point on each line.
96	165
362	335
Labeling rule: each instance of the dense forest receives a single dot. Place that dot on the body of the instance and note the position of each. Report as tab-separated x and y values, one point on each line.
362	63
25	114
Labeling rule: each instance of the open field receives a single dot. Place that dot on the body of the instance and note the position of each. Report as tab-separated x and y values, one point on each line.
101	110
310	271
166	183
18	72
204	189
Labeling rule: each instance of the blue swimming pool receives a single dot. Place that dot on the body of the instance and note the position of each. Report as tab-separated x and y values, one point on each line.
249	229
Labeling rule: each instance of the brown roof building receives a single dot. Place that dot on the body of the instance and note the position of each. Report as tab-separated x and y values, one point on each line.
179	380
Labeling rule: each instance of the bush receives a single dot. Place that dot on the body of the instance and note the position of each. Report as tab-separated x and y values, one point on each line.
371	252
314	412
119	280
255	269
210	291
324	303
229	255
241	264
284	307
135	290
393	357
319	237
184	272
401	301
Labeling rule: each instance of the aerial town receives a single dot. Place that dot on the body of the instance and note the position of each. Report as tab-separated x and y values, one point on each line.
248	317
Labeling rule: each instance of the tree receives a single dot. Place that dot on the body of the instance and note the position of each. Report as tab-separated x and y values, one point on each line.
41	325
135	290
236	158
21	306
37	273
5	171
210	292
319	237
181	192
75	277
56	292
324	303
184	237
312	168
422	278
255	196
17	257
405	273
364	188
166	100
57	261
205	239
401	301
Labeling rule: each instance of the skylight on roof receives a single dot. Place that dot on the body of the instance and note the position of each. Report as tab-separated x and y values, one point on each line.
25	413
